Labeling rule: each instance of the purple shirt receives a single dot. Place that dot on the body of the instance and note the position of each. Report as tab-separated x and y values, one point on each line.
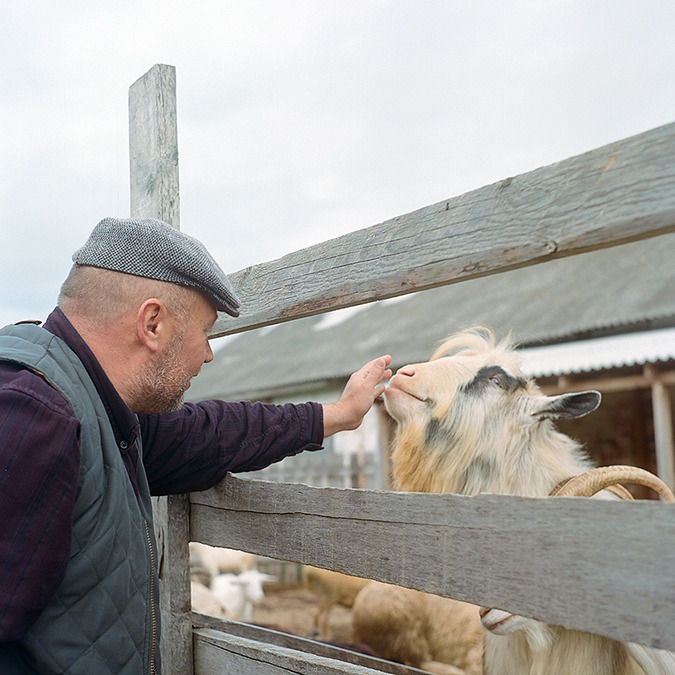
184	451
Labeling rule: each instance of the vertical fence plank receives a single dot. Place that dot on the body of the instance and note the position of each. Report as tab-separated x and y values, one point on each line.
153	146
172	527
153	152
663	433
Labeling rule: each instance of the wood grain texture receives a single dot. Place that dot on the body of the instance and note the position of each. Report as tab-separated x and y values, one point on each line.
268	636
602	567
153	149
153	146
217	652
618	193
171	524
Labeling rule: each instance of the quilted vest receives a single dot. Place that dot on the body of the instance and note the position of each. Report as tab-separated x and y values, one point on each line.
104	617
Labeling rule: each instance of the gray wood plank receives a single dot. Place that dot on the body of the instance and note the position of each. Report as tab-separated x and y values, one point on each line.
153	146
153	149
217	652
171	524
603	567
621	192
268	636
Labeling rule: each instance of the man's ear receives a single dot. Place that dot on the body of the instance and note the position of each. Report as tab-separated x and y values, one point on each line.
151	320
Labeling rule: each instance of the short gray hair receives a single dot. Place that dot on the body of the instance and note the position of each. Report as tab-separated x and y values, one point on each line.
104	296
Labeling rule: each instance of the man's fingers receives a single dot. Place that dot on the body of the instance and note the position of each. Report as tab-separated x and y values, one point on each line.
378	368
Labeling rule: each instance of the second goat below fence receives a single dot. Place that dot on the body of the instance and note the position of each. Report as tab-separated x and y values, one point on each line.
468	421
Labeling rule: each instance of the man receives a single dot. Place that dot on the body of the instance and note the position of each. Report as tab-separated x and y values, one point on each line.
92	423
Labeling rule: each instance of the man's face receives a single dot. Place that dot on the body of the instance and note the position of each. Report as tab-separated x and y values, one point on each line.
166	379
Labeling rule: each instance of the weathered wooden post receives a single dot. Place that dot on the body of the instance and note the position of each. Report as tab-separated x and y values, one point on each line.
153	146
153	153
663	428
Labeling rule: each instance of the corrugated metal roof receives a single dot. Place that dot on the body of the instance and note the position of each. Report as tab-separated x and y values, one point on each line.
608	352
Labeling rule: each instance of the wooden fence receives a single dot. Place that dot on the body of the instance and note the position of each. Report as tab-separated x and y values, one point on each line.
608	568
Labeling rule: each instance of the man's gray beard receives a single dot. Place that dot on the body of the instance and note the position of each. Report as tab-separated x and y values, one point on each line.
162	386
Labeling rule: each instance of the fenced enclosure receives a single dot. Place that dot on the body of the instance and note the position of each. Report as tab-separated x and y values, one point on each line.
603	567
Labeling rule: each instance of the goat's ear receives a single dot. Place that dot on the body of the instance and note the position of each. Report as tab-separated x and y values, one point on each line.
567	406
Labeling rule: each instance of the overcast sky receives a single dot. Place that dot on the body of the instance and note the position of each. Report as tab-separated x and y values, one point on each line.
300	121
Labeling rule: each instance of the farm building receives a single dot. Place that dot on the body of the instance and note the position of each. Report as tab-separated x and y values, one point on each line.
603	320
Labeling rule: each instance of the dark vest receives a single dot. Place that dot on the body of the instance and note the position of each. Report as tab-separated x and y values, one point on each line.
104	617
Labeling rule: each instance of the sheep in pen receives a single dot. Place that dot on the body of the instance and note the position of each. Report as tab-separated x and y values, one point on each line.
468	421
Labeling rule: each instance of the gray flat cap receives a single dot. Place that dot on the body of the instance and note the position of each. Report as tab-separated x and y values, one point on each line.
150	248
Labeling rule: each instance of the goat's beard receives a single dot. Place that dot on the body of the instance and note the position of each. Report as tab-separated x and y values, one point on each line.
162	385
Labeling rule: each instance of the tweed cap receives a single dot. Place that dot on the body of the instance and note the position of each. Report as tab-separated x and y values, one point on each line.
152	249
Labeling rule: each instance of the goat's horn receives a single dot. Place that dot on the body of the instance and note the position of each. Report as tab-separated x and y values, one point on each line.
590	482
619	490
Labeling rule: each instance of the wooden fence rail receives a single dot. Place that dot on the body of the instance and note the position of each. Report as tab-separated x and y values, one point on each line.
567	561
602	567
618	193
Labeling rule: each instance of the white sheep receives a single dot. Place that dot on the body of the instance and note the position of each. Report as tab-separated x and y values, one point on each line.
468	421
237	593
204	601
436	634
330	588
207	562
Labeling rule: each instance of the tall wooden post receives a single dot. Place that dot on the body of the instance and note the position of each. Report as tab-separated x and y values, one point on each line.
153	152
153	146
663	428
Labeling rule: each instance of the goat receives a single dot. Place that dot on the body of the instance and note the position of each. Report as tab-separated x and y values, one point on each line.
237	593
207	562
204	601
555	649
468	421
436	634
330	588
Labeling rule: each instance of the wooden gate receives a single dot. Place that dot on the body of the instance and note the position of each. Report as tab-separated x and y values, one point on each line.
607	568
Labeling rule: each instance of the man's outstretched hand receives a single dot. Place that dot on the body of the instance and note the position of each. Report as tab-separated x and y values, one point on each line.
358	396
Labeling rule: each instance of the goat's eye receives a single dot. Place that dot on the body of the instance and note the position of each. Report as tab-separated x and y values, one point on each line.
496	380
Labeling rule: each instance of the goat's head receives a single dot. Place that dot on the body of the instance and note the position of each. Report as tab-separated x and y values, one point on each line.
469	421
252	583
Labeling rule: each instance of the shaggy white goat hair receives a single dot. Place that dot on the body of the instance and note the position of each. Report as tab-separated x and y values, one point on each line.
468	421
436	634
237	593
